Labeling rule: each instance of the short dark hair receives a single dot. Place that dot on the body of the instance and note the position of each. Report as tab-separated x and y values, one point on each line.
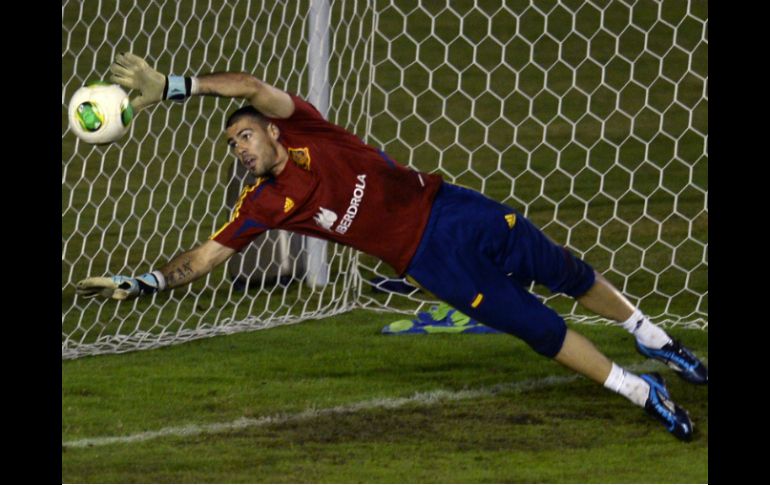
243	112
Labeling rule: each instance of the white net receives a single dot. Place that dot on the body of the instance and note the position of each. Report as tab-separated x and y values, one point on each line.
132	206
590	117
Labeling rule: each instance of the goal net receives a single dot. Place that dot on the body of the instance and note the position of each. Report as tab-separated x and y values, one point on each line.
588	116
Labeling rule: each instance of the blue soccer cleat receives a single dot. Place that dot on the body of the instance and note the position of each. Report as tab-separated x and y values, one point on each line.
679	358
660	406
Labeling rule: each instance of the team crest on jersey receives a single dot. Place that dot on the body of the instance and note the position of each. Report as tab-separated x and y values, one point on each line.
288	205
300	156
325	218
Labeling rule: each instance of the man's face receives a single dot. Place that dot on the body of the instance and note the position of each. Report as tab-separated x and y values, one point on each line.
255	146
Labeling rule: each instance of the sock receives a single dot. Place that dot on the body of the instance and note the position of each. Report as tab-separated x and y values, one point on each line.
646	332
627	384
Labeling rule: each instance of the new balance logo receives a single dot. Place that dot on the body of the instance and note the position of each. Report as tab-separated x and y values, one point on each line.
511	220
288	205
325	218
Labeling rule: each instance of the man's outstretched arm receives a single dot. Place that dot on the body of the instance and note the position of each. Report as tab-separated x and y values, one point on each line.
133	72
181	270
268	100
191	265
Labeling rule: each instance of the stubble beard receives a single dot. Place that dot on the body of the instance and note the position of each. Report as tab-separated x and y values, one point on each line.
268	171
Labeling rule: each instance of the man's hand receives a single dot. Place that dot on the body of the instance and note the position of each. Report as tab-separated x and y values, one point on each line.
118	287
133	72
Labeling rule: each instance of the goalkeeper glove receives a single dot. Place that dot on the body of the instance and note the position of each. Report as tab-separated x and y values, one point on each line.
121	287
133	72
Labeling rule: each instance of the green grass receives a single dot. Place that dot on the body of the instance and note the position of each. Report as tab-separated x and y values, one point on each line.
574	431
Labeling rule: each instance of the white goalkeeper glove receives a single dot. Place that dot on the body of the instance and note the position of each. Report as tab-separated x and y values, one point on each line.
121	287
133	72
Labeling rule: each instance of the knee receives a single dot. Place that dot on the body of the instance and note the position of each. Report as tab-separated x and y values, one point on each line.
578	276
542	329
549	338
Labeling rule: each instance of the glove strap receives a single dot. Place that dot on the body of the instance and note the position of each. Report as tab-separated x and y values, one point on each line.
177	88
161	280
145	283
194	87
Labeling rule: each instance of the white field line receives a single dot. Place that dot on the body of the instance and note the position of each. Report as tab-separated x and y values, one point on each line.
420	398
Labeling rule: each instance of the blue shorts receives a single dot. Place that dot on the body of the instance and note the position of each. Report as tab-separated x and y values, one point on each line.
480	256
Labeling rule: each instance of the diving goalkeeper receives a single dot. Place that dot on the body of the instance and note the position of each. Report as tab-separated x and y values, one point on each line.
478	255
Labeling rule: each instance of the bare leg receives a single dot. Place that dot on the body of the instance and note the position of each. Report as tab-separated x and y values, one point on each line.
580	355
605	300
652	341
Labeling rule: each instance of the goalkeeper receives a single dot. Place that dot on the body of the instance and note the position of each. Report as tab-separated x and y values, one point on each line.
476	254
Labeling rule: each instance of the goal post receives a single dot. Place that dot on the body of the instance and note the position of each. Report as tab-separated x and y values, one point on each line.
590	117
318	95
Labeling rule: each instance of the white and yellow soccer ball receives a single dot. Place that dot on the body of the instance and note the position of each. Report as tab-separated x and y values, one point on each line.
100	113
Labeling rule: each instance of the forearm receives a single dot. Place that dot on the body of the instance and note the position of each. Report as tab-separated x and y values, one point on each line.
193	264
228	84
181	270
185	268
267	99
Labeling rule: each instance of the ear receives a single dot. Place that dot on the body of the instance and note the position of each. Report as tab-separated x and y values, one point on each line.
273	131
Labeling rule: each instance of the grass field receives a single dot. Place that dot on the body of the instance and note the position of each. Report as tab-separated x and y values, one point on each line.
529	420
596	130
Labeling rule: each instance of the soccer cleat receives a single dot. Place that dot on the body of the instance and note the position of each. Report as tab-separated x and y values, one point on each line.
660	406
679	358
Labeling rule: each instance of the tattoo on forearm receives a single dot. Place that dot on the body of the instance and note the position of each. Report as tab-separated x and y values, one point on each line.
179	271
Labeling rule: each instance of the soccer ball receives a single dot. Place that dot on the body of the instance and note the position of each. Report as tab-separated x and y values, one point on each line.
100	113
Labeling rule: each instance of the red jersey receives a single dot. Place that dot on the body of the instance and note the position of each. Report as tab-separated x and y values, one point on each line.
336	187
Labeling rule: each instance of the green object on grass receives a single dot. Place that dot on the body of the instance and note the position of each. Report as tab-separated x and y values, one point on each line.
460	319
443	329
443	310
401	325
440	311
